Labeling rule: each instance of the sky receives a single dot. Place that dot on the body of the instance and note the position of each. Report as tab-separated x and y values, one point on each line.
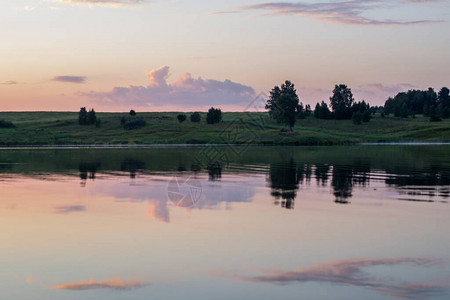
179	55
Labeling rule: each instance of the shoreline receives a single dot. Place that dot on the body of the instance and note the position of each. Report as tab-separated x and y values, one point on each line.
152	146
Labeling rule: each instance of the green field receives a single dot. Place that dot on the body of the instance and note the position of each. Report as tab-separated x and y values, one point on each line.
61	128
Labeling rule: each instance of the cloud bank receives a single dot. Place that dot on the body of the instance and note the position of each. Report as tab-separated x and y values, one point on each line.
342	12
70	79
351	272
186	91
114	284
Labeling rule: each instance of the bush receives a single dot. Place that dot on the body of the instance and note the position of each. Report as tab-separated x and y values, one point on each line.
134	124
357	117
214	115
6	124
181	118
85	117
91	117
366	116
195	117
132	112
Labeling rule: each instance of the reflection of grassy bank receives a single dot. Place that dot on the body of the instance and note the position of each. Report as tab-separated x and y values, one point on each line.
59	128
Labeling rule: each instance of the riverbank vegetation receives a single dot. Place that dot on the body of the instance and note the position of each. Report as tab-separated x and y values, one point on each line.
62	128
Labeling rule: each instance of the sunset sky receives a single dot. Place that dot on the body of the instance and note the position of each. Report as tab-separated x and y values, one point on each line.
181	55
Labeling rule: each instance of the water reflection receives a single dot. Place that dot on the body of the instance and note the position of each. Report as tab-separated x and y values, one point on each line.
354	273
132	166
416	173
88	169
284	180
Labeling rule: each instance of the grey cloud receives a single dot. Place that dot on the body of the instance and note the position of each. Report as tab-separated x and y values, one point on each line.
69	209
10	82
70	79
101	2
342	12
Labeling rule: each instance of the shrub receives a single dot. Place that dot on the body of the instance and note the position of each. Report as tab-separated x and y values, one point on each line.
6	124
357	117
181	118
195	117
85	117
214	115
134	124
91	117
132	112
366	116
82	116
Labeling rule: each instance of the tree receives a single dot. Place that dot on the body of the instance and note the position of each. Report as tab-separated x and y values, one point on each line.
283	104
321	111
82	116
195	117
181	118
91	117
214	115
341	102
132	112
443	97
357	117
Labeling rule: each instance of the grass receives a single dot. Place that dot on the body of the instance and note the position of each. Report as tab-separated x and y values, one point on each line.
61	128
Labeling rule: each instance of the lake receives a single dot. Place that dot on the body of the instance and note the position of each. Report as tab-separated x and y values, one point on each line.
225	222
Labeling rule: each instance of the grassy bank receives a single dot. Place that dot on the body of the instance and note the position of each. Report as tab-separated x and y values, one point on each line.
61	128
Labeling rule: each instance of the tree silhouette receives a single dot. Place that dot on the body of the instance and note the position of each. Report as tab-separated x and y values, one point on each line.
341	102
283	104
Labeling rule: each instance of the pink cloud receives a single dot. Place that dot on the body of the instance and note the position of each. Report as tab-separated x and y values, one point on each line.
116	284
187	91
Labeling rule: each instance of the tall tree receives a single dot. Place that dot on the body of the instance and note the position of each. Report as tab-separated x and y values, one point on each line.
283	104
91	117
82	116
341	101
443	97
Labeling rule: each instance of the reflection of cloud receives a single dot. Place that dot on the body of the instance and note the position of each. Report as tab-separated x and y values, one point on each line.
30	279
116	284
187	91
156	195
101	2
158	210
348	12
69	209
351	272
70	79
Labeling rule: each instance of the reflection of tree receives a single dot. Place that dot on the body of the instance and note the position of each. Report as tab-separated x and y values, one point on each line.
321	173
346	176
428	182
88	169
284	181
214	171
132	166
342	183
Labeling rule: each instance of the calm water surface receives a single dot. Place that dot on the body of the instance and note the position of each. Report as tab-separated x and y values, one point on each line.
359	222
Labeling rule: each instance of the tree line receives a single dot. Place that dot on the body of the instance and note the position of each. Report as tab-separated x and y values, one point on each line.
417	102
284	105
